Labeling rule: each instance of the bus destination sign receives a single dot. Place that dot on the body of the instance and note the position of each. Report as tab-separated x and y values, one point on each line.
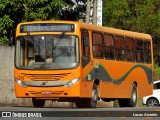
47	28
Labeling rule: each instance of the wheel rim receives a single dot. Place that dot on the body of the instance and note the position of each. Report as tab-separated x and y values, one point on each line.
134	96
94	95
152	103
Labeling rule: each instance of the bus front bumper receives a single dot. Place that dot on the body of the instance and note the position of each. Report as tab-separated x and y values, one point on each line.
46	90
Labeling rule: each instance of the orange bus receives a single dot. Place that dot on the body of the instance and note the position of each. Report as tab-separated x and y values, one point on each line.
82	63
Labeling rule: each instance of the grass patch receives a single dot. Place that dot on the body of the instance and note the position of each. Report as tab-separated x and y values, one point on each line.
139	102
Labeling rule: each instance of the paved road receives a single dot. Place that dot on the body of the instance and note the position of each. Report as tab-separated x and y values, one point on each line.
80	114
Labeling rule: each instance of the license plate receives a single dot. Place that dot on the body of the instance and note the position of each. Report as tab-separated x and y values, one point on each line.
46	92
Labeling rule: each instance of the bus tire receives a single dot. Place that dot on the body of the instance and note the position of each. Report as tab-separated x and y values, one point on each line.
38	103
89	102
131	102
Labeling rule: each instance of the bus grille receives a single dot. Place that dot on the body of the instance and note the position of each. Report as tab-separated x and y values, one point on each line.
48	77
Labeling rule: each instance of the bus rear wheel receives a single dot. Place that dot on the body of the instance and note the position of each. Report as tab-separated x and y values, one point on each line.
131	102
89	102
38	103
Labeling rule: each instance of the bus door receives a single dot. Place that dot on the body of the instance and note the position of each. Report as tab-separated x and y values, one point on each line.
86	64
85	48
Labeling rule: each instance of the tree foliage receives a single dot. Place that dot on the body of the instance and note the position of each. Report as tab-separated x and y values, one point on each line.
13	12
41	9
135	15
73	10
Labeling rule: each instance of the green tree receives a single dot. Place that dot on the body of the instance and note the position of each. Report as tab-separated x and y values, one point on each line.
41	9
5	21
135	15
13	12
115	13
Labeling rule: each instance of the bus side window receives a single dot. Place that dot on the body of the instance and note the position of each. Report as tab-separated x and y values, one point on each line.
109	46
147	51
119	48
97	45
129	45
139	50
85	47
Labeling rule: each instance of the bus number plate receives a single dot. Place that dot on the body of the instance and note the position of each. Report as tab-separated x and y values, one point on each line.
46	92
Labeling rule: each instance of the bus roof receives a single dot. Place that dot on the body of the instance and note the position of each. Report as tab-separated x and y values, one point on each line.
115	31
108	30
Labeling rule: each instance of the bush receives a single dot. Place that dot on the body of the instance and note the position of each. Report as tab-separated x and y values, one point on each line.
3	40
156	73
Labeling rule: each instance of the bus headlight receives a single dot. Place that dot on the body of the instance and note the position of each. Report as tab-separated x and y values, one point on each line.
72	82
21	83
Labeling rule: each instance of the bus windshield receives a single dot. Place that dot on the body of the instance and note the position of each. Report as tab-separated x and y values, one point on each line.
47	52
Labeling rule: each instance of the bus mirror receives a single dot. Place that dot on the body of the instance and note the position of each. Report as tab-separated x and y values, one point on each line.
12	37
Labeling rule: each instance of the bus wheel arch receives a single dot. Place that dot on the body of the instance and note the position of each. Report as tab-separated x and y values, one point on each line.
96	86
96	81
135	83
92	102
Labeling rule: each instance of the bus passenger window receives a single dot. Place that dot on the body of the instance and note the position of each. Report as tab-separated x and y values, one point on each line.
129	45
97	51
97	45
147	51
109	46
119	48
139	50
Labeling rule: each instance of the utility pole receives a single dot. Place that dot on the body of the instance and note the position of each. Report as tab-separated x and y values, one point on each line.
94	18
88	9
94	12
99	12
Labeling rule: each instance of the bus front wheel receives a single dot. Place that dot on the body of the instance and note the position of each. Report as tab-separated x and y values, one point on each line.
131	102
38	103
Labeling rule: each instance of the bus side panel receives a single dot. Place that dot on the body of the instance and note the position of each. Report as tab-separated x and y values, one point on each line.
123	89
110	90
144	89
